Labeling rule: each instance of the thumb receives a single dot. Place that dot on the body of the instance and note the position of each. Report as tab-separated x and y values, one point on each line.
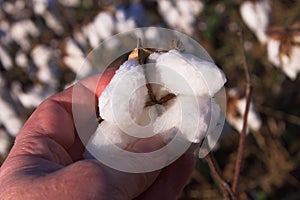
89	179
130	185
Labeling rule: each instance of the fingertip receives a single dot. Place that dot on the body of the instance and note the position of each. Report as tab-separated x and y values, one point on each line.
104	80
146	145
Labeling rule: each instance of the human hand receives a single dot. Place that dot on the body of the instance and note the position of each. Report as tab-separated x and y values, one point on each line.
46	160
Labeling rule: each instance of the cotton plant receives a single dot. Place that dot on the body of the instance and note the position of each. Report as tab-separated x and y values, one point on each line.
283	48
180	15
256	14
167	93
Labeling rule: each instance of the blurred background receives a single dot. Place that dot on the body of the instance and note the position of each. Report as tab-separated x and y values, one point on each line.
43	43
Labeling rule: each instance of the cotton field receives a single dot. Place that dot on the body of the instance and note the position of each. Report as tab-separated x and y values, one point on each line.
44	43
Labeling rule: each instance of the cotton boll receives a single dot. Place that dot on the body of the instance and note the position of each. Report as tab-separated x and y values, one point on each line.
80	38
20	31
42	56
171	96
273	51
70	3
75	58
256	16
5	59
180	14
254	121
90	32
123	24
53	23
9	118
290	63
169	12
192	6
34	96
78	64
104	24
236	103
72	48
39	6
21	60
188	10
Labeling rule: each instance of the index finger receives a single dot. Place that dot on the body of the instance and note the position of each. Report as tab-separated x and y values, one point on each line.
54	120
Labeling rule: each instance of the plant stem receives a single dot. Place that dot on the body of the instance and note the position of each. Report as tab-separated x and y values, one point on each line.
245	119
215	172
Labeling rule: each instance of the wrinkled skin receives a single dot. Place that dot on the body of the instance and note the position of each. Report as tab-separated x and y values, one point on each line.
46	160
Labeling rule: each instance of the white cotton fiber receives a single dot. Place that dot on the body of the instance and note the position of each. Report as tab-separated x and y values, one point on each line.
126	93
192	83
188	75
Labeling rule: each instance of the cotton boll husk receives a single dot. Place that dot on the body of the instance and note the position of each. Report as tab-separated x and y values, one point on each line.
202	77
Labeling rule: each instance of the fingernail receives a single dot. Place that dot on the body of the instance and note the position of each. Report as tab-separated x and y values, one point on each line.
146	145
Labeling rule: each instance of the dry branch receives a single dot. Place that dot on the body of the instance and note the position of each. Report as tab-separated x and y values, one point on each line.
245	119
215	172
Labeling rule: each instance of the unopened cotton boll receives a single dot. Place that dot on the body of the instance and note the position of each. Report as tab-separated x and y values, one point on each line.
170	95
